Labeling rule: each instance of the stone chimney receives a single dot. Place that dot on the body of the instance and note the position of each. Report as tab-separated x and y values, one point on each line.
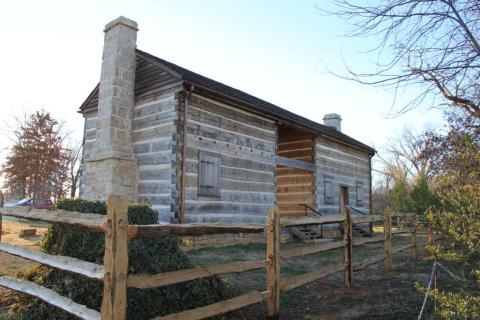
111	167
333	120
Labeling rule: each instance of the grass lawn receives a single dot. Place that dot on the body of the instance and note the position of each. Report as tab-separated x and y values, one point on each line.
375	295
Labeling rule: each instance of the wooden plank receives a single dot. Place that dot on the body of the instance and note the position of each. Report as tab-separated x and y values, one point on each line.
87	269
27	232
273	268
292	163
368	262
387	231
87	220
218	308
143	281
199	115
295	180
348	249
286	145
362	241
302	279
403	248
196	229
311	249
402	231
286	189
414	237
430	234
367	218
50	297
300	221
297	198
231	112
114	304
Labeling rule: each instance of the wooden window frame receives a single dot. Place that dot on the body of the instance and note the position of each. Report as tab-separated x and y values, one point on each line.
328	195
359	194
204	156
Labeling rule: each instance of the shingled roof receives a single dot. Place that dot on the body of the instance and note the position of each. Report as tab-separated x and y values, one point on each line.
251	102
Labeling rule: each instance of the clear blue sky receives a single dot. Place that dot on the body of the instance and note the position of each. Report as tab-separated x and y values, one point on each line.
51	54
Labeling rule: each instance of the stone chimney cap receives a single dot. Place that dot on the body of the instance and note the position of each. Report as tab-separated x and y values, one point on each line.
121	20
330	116
333	120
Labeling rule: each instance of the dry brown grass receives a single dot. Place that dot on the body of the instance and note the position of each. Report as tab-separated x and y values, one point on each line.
10	265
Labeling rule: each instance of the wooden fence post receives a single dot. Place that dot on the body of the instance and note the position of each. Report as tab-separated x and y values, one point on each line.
414	237
114	304
273	267
347	257
1	222
430	240
387	231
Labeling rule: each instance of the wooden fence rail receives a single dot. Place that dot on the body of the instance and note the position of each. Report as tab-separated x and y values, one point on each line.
118	233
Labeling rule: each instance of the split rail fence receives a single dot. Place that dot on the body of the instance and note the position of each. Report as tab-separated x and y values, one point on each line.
118	232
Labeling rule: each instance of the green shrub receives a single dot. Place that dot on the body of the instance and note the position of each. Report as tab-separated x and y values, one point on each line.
145	256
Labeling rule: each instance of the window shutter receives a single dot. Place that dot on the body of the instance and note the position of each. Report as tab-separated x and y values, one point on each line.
329	193
209	175
359	193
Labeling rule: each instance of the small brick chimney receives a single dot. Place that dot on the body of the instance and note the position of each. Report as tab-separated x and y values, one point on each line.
111	167
333	120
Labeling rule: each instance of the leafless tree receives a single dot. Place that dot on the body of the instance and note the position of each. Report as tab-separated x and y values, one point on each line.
403	158
432	45
408	151
73	168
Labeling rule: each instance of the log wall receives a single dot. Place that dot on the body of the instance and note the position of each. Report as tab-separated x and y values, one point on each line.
295	186
155	145
246	144
343	166
155	136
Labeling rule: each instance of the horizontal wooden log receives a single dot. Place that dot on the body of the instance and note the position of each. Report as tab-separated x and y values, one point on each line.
403	248
300	179
50	297
168	230
87	220
311	249
229	112
402	231
398	214
362	241
87	269
28	232
367	218
297	198
300	221
219	308
368	262
291	163
143	281
300	280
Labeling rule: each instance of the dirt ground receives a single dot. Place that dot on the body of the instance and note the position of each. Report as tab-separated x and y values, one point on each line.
10	265
375	295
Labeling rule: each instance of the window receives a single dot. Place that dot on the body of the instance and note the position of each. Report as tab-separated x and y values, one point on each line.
209	171
329	193
359	194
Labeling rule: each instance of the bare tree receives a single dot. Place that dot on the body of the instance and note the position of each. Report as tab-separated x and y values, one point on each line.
73	168
433	46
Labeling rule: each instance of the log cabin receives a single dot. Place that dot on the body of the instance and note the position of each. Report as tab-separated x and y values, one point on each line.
198	150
